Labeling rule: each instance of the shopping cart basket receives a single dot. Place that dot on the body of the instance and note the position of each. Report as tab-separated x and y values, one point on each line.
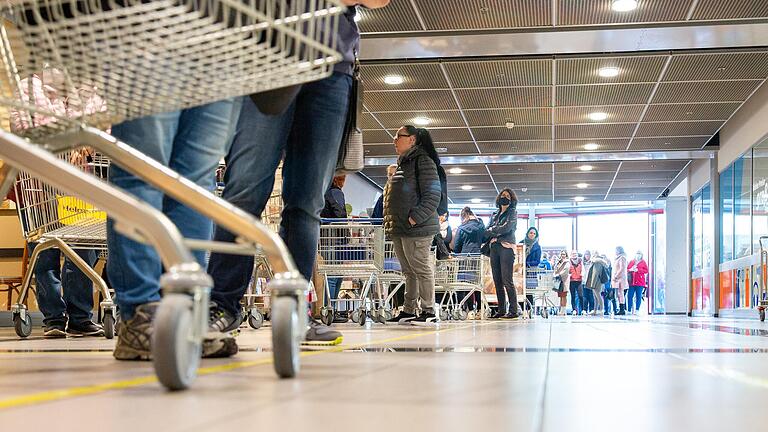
351	248
539	283
146	57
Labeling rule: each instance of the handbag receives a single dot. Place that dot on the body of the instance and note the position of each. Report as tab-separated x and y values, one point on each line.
485	248
351	158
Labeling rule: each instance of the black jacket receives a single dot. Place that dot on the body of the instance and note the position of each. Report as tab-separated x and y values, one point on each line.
414	191
335	205
503	226
469	237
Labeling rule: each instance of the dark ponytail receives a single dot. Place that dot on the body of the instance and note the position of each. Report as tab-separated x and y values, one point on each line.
424	140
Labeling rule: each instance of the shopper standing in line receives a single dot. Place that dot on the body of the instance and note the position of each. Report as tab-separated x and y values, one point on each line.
609	293
563	280
638	282
589	299
469	235
411	200
577	292
501	240
597	276
532	256
619	278
335	208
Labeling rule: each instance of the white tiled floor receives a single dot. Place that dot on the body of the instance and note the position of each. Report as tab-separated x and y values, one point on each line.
563	374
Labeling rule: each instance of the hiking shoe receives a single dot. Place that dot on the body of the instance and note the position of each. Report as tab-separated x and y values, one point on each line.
319	334
424	319
135	335
402	317
221	321
85	328
55	330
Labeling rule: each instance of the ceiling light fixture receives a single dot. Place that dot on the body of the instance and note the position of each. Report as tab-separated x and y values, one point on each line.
422	121
476	200
598	116
393	79
466	187
455	170
608	72
586	167
591	146
578	198
582	185
624	5
442	149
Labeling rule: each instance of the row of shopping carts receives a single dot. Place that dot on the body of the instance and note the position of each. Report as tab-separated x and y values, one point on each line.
72	69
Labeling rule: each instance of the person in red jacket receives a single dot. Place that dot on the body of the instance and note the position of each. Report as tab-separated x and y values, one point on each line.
577	291
638	282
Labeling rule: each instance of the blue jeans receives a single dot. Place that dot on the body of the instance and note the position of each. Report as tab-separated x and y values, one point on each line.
577	296
76	302
334	284
635	292
191	142
589	299
308	134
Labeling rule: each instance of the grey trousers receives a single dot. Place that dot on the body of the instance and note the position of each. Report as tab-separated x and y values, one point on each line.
413	254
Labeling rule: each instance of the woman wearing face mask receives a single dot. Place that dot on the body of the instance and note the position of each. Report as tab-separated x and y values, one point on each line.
532	254
577	291
411	200
638	281
619	277
563	274
501	239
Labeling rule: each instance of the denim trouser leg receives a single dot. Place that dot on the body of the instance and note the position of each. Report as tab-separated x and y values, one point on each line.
308	133
78	289
191	142
334	284
48	282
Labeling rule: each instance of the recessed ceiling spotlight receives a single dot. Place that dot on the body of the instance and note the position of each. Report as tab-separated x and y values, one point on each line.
624	5
455	170
721	69
582	185
608	72
689	113
394	79
591	146
578	198
422	121
598	116
466	187
475	200
442	149
586	167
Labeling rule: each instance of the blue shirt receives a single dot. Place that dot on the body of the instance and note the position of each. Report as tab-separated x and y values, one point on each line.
348	42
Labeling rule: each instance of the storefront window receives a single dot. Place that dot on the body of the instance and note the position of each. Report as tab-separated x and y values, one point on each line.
759	195
697	232
603	233
742	226
726	217
556	233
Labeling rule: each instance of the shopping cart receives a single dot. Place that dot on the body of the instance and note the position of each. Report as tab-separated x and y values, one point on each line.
762	301
54	219
391	278
143	58
539	283
351	249
470	269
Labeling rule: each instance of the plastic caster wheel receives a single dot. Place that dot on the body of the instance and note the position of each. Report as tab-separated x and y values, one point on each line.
108	322
380	316
286	336
463	315
444	315
544	313
255	319
326	316
176	353
362	318
762	315
386	314
355	316
487	314
23	326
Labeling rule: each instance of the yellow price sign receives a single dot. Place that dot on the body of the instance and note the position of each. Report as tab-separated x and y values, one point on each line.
74	211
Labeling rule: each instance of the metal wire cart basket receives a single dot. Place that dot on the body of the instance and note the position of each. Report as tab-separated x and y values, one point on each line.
74	67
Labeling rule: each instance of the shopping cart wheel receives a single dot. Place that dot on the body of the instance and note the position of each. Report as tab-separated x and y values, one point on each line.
255	319
108	322
456	314
363	317
488	313
463	315
23	326
385	314
444	315
544	313
326	316
286	336
356	316
175	351
762	316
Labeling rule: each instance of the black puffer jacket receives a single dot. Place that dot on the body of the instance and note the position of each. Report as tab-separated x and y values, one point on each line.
414	191
469	237
503	226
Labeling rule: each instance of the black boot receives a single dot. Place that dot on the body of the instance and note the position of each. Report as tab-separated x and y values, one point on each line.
622	309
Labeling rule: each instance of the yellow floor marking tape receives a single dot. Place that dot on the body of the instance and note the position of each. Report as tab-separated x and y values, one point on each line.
54	395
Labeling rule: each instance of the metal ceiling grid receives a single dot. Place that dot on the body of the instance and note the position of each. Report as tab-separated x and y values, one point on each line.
511	147
532	168
398	16
672	129
499	73
442	135
632	69
484	14
519	116
731	9
705	91
616	114
510	97
591	12
383	101
576	167
670	143
604	94
377	136
394	120
718	67
601	130
516	133
603	145
688	112
414	75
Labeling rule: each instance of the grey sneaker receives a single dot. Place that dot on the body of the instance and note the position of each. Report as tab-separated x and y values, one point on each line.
320	334
135	335
55	330
219	342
